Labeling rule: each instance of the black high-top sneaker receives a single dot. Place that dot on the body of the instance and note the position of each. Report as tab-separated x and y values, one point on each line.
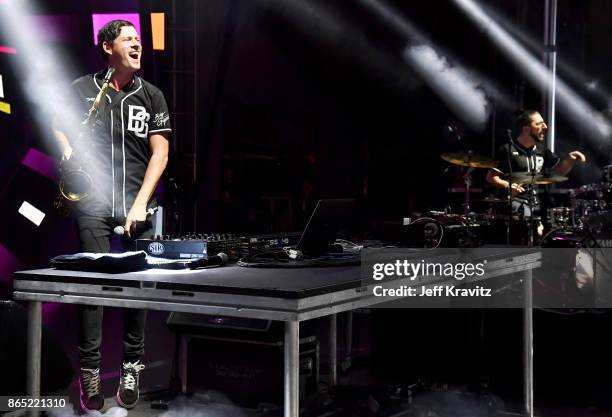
89	386
127	394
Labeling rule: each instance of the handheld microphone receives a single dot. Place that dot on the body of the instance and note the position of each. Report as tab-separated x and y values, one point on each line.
219	259
509	134
120	230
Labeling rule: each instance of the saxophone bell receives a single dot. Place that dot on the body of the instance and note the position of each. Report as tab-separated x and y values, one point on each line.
74	185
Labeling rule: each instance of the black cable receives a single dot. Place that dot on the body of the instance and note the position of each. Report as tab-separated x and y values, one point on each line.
280	259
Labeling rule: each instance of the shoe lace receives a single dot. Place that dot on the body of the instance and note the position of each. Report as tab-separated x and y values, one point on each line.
129	378
91	381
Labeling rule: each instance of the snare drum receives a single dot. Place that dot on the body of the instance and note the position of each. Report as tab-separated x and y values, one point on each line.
561	217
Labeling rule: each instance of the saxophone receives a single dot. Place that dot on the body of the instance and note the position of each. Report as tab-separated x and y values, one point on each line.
75	183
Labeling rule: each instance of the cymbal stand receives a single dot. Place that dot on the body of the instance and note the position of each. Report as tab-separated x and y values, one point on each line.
532	203
509	221
467	179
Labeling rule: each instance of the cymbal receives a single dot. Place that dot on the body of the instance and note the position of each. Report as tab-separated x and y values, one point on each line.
491	200
536	179
469	159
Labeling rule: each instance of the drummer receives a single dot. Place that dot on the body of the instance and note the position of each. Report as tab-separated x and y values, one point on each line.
528	154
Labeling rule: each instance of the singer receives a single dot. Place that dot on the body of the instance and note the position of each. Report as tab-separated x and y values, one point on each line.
125	150
525	156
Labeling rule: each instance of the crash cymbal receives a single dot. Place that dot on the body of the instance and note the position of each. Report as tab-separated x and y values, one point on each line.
536	179
491	200
469	159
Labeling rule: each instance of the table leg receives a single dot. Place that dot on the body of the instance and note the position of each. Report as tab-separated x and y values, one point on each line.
34	351
528	345
182	362
349	337
292	369
333	350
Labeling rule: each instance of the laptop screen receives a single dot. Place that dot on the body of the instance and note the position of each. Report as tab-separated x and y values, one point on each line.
328	217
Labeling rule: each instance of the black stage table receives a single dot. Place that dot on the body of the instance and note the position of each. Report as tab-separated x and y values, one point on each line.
290	295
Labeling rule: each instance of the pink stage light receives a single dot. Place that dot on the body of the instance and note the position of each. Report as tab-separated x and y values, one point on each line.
55	28
41	163
7	50
100	20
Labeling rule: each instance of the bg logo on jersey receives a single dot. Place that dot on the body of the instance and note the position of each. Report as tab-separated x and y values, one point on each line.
539	163
138	120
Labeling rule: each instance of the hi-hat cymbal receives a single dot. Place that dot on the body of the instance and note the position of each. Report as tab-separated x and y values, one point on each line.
533	178
469	159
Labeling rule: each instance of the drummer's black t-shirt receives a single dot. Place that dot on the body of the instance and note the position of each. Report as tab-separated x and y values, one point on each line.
537	160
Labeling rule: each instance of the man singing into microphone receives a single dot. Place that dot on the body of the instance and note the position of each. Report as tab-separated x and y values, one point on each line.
125	156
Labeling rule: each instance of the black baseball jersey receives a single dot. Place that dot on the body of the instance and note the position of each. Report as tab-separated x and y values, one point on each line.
535	160
117	152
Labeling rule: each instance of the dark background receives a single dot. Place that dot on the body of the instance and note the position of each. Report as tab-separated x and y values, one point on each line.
277	104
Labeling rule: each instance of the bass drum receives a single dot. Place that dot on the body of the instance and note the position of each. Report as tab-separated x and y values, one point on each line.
441	230
567	238
568	269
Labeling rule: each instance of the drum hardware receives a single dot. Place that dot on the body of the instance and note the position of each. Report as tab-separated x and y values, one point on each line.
461	190
446	215
529	180
450	230
470	160
607	177
526	178
561	191
492	200
532	205
588	261
562	217
593	203
598	221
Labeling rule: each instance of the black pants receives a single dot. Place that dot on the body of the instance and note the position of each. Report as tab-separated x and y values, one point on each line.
95	234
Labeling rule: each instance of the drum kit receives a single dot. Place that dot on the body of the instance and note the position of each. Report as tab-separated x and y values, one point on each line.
588	213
